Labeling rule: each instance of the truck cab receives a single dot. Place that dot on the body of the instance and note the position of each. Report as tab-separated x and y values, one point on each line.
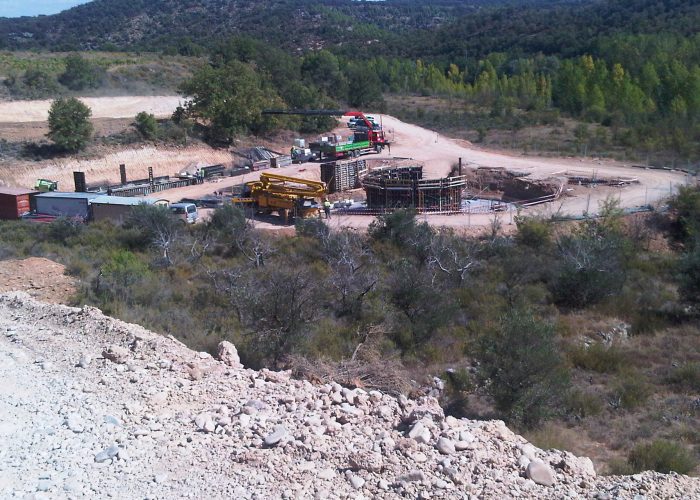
187	212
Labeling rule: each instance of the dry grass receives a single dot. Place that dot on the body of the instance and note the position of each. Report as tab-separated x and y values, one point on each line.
368	369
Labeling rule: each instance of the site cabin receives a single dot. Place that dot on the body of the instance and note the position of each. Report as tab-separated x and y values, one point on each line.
117	208
14	202
64	204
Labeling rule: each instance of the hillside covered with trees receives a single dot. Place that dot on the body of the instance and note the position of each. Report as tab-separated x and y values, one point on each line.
627	73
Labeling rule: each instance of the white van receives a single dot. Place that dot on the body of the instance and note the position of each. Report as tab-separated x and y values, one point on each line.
185	211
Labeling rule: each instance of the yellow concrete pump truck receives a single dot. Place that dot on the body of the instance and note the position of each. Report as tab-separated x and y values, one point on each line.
288	196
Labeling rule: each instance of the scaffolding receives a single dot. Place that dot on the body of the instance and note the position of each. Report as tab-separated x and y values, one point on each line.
404	187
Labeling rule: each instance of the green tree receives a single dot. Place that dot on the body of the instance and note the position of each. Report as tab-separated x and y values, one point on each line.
80	73
39	82
147	125
230	99
322	69
69	124
522	370
364	87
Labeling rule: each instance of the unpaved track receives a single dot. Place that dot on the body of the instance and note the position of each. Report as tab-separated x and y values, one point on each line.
102	107
436	152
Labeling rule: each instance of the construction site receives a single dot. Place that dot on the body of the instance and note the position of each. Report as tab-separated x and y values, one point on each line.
365	167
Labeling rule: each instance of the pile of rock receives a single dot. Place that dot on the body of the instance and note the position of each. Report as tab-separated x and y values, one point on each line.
118	410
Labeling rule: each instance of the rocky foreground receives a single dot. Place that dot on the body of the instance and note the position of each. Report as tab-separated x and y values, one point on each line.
94	407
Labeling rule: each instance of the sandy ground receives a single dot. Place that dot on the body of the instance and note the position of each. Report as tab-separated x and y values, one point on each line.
165	161
41	278
102	107
436	152
439	153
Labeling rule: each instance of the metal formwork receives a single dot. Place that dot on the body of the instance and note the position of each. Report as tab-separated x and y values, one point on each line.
342	176
404	187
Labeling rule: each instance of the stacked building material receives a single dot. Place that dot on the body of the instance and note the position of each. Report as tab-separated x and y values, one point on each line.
341	176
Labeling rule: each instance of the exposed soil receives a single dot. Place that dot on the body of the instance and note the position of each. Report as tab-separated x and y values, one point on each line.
102	107
41	278
437	153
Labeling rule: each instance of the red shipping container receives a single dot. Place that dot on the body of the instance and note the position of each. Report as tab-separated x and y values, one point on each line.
14	202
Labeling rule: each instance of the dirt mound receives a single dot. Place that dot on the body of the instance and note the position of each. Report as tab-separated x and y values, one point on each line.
164	160
95	407
42	278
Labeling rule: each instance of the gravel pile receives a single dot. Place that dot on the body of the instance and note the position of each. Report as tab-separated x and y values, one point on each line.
94	407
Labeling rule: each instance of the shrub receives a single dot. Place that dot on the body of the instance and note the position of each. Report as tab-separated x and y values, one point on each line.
598	358
120	275
522	370
311	228
582	404
80	73
686	376
689	288
630	392
686	205
619	467
591	268
592	260
63	228
533	232
661	456
146	125
402	229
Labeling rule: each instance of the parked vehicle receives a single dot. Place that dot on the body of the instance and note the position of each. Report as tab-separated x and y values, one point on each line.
187	212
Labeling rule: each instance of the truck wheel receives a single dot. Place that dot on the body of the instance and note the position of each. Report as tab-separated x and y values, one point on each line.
378	148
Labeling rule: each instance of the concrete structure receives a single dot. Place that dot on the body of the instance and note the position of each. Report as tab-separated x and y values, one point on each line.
61	204
404	187
14	202
117	208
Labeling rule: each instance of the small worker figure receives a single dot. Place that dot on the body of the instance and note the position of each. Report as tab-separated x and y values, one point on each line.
196	176
327	208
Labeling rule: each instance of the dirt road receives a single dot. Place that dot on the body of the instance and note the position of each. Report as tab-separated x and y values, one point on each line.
439	153
436	152
102	107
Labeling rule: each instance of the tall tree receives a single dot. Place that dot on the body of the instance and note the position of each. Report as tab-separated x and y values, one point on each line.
80	73
69	124
230	99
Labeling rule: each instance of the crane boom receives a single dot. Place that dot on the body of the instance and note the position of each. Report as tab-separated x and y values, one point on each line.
321	112
375	136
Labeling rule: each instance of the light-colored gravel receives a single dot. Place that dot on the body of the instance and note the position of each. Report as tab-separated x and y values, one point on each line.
157	420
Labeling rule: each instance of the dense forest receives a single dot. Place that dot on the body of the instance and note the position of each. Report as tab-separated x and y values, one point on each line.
627	72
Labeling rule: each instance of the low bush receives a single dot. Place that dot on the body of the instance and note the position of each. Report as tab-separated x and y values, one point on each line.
685	377
598	358
581	404
533	232
661	456
522	370
630	392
